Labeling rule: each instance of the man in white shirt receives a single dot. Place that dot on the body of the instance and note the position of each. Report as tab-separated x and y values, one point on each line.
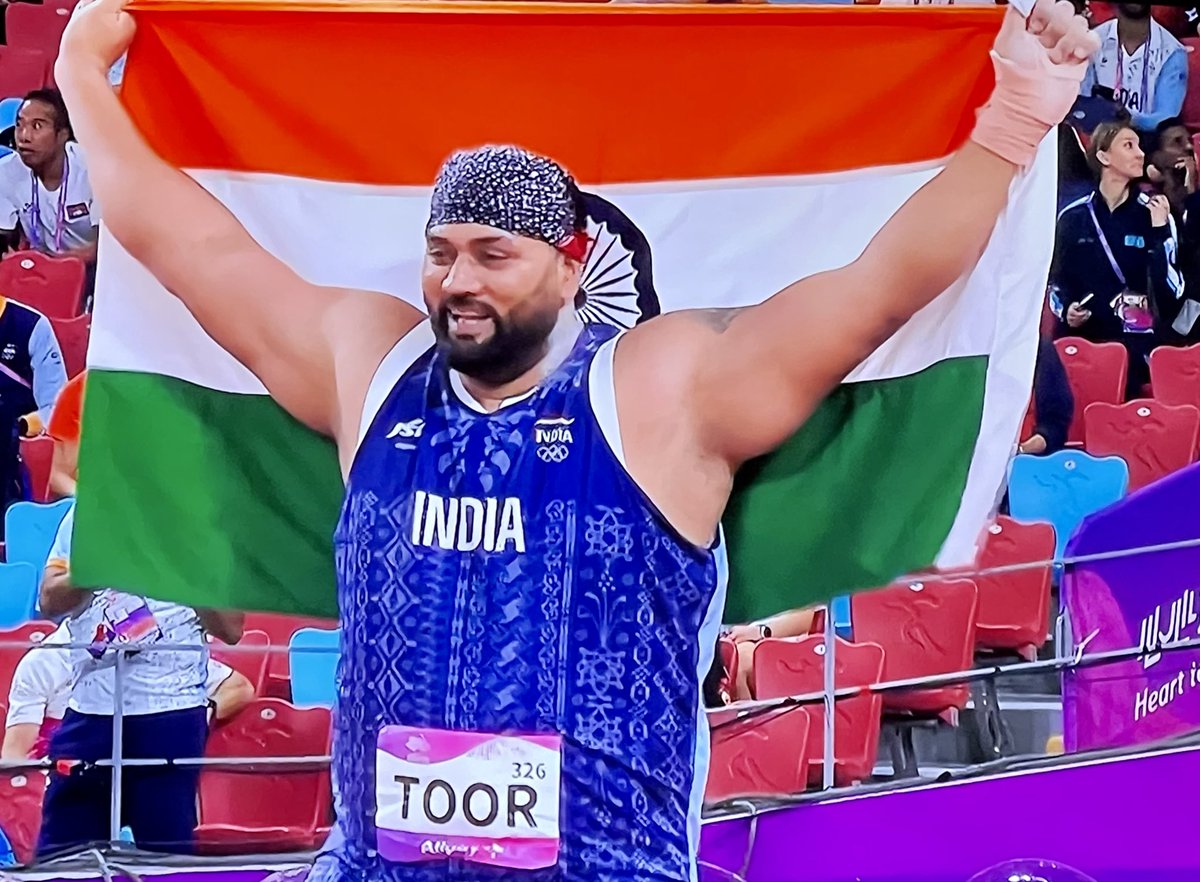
41	688
163	703
1140	66
44	188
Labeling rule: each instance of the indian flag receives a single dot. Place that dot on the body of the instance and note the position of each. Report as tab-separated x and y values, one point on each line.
727	151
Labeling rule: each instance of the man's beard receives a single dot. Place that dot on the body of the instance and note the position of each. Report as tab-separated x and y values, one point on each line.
517	342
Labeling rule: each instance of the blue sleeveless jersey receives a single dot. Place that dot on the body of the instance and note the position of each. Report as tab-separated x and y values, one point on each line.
502	573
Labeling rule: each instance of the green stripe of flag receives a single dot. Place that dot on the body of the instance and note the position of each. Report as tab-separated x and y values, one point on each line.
215	499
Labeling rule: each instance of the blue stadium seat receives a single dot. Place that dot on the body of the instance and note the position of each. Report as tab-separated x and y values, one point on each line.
18	593
8	857
8	120
29	530
313	658
1064	488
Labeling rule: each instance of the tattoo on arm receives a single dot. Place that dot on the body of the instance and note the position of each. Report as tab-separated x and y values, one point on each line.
717	319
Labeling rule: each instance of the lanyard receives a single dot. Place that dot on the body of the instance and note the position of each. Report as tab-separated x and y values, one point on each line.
1112	260
1145	93
60	222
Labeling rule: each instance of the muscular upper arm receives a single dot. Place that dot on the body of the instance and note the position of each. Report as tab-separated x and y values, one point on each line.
314	348
759	372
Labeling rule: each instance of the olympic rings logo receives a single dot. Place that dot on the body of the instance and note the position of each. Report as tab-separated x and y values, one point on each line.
553	452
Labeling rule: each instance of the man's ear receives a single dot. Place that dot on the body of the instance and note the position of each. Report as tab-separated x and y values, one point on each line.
1153	173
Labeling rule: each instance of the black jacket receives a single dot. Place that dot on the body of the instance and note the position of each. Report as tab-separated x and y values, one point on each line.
1147	255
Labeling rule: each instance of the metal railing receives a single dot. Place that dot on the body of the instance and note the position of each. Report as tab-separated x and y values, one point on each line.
1065	658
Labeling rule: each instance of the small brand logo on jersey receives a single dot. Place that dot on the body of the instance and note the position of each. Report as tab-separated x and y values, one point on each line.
464	523
9	352
406	431
553	438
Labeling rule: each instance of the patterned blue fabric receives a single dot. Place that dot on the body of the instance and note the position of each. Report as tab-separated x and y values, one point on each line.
594	631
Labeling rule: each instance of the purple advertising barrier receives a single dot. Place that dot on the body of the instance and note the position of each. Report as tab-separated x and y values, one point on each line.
1112	820
1088	820
1142	600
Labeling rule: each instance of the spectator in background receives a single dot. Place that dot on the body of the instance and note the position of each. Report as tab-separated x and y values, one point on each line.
44	188
793	623
1140	66
64	429
41	688
1171	166
1114	268
164	705
1053	403
31	376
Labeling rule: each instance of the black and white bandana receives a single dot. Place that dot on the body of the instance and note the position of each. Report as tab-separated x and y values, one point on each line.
508	188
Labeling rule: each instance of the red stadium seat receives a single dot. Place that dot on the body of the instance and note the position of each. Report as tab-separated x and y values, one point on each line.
925	628
73	335
1101	12
35	26
796	667
1175	374
249	658
1096	372
243	809
1190	113
37	454
279	629
1014	607
14	644
51	285
21	70
760	755
1153	438
21	810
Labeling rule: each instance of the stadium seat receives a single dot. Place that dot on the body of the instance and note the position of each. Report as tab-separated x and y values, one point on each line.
14	643
1153	438
925	628
247	809
73	335
313	658
279	629
757	755
1064	488
1190	113
249	658
18	593
795	667
21	811
51	285
8	120
37	454
1175	373
29	530
1014	607
22	69
37	26
1095	372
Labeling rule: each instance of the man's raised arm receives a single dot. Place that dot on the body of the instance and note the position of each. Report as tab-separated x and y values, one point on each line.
310	346
749	378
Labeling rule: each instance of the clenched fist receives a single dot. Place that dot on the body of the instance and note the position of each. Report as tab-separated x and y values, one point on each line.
1039	63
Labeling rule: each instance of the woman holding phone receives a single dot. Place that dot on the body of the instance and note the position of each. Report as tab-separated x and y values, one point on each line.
1115	268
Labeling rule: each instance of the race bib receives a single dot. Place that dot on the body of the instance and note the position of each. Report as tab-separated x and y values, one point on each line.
491	799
